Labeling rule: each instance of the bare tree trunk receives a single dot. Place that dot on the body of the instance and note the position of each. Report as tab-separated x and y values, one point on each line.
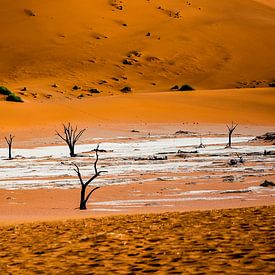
10	152
9	141
82	205
230	132
230	139
83	198
72	153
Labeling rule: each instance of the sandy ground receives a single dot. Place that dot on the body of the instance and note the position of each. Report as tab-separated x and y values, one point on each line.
221	241
17	206
114	115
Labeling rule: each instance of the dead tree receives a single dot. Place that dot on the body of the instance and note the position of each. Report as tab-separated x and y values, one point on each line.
84	185
201	143
71	136
9	141
230	132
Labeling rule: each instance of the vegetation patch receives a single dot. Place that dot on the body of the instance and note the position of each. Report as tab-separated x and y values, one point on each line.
126	89
75	88
4	91
175	88
94	91
186	87
14	98
10	95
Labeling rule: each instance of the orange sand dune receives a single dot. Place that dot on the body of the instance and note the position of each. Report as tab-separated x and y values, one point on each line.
208	44
270	3
246	106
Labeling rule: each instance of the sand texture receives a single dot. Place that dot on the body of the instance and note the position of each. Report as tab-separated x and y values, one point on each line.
239	241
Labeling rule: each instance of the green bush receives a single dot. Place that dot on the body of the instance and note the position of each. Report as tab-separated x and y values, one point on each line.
4	91
14	98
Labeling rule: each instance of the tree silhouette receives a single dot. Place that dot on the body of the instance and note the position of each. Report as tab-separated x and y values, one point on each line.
84	185
201	143
230	132
71	136
9	141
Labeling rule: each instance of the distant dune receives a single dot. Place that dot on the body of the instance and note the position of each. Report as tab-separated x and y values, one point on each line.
147	45
270	3
245	106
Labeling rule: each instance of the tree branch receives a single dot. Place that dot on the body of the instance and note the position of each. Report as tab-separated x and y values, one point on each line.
90	193
96	153
61	136
70	136
9	140
78	173
232	127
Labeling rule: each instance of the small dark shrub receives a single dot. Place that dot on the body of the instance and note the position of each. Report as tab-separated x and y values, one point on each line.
267	183
176	87
126	89
75	88
94	91
186	87
14	98
134	53
101	82
272	84
127	62
4	91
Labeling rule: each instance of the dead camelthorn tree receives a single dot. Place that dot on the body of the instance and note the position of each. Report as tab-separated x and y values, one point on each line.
201	143
9	141
71	136
230	132
84	185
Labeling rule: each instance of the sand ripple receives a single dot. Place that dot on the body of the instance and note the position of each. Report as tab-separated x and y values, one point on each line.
239	241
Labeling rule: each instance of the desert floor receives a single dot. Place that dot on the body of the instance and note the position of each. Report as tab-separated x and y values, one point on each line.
235	241
40	184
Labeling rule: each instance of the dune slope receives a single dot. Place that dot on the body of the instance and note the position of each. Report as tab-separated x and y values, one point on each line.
208	44
245	106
